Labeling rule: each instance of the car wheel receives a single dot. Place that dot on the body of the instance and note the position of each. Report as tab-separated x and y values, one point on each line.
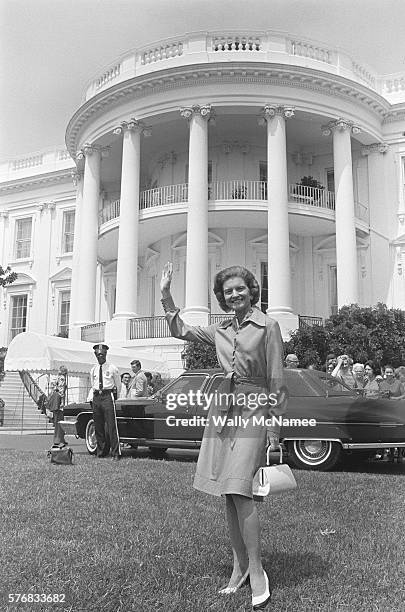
90	437
314	454
157	453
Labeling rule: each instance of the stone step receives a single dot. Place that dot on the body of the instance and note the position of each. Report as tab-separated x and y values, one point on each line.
20	411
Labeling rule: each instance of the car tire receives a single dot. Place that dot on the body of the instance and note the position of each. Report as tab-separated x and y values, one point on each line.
90	437
314	454
156	452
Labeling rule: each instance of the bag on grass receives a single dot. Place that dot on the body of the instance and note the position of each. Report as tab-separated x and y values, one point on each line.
61	456
272	479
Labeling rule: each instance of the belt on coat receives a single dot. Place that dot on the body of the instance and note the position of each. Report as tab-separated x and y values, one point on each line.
230	380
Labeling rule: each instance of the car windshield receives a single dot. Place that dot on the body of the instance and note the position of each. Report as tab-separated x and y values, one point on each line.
312	383
332	386
184	384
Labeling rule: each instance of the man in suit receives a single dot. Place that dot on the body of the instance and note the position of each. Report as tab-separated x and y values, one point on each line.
138	386
105	381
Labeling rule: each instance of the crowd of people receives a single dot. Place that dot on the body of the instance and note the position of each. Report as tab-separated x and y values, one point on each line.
367	377
140	383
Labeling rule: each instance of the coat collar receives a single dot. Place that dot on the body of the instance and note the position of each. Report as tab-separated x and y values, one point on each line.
257	317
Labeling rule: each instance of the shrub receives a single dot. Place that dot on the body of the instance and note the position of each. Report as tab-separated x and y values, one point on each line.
375	332
198	355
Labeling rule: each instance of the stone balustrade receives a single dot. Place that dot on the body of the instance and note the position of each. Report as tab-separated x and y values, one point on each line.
39	162
208	47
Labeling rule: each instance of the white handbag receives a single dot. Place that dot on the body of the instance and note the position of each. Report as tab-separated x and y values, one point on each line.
273	479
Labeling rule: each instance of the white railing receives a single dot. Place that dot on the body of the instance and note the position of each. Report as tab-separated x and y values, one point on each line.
312	196
207	47
306	49
27	162
109	212
108	76
169	194
95	332
237	190
236	43
161	52
230	191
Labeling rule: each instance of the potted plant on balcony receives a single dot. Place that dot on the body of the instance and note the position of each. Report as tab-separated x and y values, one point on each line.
240	193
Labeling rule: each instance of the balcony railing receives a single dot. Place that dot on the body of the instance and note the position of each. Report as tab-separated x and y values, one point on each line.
237	190
109	212
218	318
93	333
228	191
242	45
148	327
304	321
312	196
169	194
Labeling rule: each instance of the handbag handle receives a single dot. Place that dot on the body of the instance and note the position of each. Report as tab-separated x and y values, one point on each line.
268	451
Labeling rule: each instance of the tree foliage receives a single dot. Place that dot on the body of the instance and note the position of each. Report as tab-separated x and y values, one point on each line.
375	332
7	276
197	355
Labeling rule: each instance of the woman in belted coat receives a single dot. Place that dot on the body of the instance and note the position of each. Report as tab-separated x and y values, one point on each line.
250	351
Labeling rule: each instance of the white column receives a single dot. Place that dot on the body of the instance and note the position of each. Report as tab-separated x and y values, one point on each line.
279	277
127	259
43	232
74	330
196	308
378	258
346	251
85	300
4	237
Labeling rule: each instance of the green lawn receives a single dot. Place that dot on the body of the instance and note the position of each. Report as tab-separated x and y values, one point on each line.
135	537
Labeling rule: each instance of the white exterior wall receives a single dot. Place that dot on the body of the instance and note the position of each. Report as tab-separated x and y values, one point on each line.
236	146
47	271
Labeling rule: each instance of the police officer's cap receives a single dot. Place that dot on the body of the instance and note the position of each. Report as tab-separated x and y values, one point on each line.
100	349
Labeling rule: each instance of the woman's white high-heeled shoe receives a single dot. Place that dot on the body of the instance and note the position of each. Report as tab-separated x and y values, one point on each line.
230	590
261	601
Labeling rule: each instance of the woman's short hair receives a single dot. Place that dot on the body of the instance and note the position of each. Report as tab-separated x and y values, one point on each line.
371	364
241	272
399	371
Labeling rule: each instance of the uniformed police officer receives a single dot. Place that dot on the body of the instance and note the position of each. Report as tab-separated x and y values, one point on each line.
105	381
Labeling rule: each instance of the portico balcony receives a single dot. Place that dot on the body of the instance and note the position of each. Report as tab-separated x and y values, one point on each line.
230	191
142	328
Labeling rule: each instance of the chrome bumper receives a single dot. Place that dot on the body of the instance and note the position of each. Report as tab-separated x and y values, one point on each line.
69	427
366	445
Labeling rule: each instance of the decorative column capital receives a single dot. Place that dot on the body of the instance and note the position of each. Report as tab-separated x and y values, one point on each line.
376	147
205	110
4	214
86	150
46	206
77	176
270	110
340	125
132	125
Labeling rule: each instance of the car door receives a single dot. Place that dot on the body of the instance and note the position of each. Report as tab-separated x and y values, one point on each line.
202	408
312	398
173	412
